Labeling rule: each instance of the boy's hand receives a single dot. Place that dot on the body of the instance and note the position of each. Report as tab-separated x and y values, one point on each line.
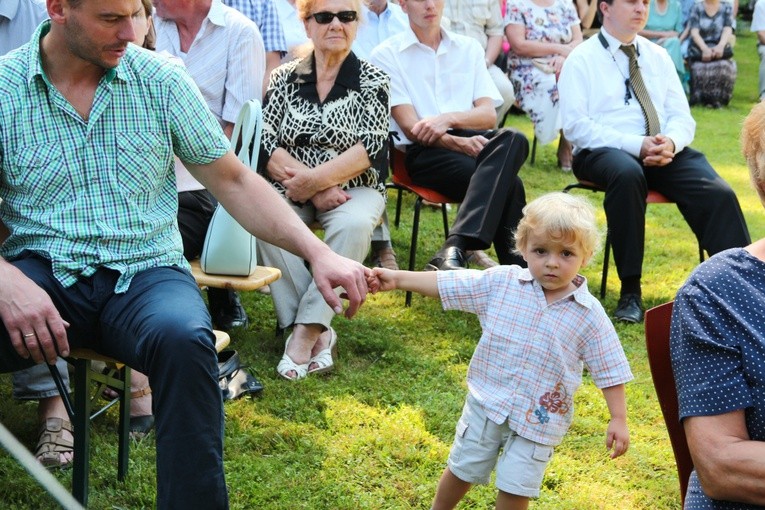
618	437
381	279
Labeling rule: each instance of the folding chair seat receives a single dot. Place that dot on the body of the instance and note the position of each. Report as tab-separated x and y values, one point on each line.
653	197
657	322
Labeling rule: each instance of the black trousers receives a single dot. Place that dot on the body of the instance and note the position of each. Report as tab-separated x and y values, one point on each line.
705	200
488	186
195	210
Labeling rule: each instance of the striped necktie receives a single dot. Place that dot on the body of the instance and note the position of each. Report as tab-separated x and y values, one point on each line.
652	125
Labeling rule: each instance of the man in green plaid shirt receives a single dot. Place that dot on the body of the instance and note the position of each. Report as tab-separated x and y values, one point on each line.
89	125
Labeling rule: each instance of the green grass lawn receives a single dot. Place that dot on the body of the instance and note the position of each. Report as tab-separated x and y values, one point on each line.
375	434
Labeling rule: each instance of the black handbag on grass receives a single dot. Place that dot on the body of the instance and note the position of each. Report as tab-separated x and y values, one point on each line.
233	379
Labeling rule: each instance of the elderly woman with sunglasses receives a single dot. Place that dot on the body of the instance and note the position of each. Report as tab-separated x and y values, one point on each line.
325	149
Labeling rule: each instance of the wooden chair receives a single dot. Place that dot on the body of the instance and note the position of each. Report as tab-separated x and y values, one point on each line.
117	377
262	276
653	197
657	322
402	181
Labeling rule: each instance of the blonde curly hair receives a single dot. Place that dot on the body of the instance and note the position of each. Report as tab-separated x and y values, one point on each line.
562	217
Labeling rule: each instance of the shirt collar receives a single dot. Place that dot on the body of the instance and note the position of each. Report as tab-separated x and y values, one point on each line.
34	64
614	44
217	14
581	295
347	78
9	8
410	39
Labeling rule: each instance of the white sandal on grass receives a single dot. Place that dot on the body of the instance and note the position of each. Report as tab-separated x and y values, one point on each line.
325	360
286	365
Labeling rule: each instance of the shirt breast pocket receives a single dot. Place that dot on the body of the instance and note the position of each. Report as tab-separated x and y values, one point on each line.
41	170
142	162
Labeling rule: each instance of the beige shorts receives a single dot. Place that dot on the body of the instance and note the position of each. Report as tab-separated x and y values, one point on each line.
480	445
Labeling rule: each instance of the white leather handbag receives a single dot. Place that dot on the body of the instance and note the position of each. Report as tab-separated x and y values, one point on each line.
229	249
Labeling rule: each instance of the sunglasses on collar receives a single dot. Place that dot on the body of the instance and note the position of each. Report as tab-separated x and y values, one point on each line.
325	18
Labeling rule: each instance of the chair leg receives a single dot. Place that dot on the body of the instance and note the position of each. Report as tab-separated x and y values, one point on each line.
81	425
413	244
124	426
446	220
533	151
398	207
604	275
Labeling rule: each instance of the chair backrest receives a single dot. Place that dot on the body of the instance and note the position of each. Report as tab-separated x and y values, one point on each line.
657	322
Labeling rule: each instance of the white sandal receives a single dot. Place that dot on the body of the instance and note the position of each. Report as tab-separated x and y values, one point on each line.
325	360
286	364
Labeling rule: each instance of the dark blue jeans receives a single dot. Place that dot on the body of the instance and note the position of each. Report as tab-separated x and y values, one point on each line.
160	327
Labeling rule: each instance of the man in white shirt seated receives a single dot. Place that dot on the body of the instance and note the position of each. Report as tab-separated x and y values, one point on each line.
482	20
629	148
442	105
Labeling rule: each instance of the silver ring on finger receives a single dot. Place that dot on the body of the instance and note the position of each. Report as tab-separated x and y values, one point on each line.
28	335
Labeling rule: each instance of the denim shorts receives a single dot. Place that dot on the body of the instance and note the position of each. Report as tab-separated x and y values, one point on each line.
480	445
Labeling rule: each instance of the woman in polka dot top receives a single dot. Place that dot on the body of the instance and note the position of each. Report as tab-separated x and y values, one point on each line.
718	356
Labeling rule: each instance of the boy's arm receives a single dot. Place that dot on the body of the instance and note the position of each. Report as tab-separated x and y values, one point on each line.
421	282
617	434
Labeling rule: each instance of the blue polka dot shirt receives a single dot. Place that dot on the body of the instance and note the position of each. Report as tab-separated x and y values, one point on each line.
718	349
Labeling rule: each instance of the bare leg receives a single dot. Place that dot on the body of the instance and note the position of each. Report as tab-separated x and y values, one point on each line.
450	491
565	156
53	407
140	406
305	338
507	501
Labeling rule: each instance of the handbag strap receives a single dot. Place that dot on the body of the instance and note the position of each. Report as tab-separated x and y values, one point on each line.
249	124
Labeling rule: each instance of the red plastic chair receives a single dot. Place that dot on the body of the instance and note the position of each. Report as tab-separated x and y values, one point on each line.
653	197
657	322
402	181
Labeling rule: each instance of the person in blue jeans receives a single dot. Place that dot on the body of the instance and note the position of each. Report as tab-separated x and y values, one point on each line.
89	125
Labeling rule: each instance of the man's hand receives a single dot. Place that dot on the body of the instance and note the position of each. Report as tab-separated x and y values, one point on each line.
617	437
330	271
428	130
300	185
471	145
34	325
657	150
330	198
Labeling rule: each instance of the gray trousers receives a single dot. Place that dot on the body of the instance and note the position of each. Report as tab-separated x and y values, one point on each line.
347	230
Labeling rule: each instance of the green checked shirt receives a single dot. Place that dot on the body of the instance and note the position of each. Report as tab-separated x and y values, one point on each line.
99	193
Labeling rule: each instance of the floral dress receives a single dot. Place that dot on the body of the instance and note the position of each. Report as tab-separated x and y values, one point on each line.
536	89
711	82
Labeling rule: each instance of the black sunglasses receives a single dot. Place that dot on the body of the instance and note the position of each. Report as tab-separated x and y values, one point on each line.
325	18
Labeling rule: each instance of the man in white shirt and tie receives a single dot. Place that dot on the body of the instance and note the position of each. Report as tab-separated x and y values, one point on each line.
631	129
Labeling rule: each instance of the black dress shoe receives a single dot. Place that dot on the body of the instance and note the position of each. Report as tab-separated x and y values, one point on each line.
226	309
629	309
448	259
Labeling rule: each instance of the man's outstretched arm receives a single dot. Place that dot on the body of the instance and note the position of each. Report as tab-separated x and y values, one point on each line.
265	214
